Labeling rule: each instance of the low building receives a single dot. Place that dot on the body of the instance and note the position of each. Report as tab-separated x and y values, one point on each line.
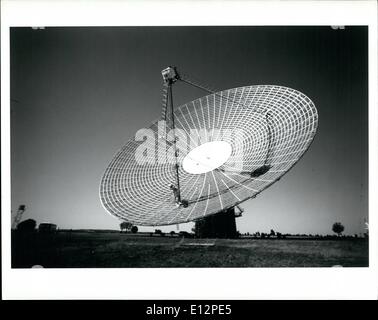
47	228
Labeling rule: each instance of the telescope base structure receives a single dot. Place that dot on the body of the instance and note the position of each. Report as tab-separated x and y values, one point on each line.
220	225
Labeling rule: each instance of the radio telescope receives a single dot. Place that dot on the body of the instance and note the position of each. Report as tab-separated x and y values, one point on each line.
222	149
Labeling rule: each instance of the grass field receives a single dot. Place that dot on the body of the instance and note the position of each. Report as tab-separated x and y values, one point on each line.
116	250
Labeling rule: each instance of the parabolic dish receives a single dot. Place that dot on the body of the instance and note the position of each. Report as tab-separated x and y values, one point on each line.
238	141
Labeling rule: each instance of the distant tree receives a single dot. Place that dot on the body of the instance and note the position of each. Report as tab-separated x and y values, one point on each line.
27	226
338	228
172	233
272	233
134	229
126	226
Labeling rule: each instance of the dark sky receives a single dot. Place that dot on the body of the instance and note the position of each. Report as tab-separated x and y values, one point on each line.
78	94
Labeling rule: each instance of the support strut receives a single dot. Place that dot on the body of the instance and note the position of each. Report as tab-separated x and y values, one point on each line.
170	76
174	142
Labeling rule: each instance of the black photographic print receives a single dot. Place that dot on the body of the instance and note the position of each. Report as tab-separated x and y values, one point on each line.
233	109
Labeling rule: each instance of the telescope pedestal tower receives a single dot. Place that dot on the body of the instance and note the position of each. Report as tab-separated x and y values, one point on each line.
219	225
